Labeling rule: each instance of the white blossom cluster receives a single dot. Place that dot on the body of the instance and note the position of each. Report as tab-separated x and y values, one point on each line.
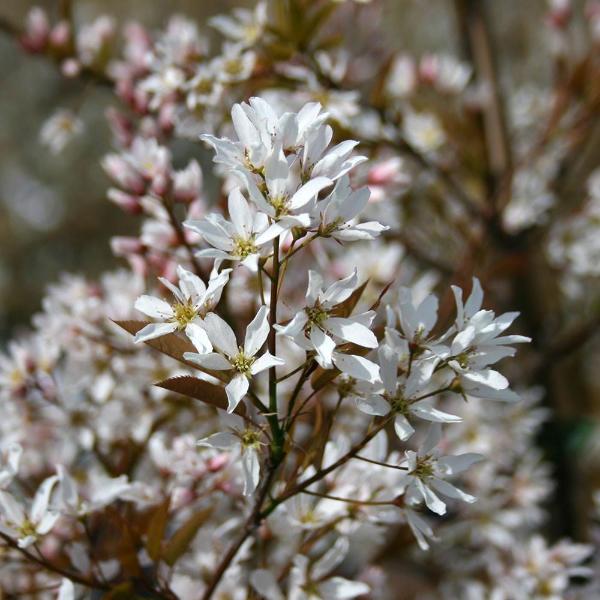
282	394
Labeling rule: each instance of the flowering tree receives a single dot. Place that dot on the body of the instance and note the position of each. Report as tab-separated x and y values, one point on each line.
271	401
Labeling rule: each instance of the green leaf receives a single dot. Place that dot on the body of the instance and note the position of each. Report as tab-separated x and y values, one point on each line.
184	536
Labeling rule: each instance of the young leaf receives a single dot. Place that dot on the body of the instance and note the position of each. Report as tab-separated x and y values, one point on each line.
184	536
156	530
206	392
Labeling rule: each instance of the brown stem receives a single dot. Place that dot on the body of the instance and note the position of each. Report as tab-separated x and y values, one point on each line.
74	577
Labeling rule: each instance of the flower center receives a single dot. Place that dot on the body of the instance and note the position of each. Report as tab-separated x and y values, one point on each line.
423	468
184	314
279	203
27	528
243	363
316	314
243	247
234	66
251	438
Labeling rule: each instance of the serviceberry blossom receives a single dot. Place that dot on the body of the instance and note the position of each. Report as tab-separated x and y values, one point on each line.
426	474
241	361
242	239
308	389
193	300
318	329
28	526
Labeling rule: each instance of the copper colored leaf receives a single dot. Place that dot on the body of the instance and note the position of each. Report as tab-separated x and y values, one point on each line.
156	530
345	308
184	536
206	392
172	345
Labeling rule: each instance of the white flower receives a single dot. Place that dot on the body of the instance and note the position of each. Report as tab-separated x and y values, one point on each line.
311	581
424	131
235	64
478	344
241	360
60	129
336	213
28	527
399	395
193	300
9	464
426	472
245	26
246	440
318	329
243	239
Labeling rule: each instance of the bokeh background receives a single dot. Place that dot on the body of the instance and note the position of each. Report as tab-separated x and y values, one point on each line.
54	215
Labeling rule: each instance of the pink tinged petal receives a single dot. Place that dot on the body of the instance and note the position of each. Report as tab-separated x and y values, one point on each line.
42	498
373	405
341	290
251	469
257	332
431	500
12	510
266	361
236	389
308	191
450	491
351	331
357	366
199	338
402	427
339	588
265	583
323	345
473	304
154	307
212	361
426	411
221	335
222	441
153	331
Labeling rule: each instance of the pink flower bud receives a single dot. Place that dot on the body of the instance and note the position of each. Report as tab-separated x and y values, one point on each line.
181	497
429	69
60	36
122	173
127	202
70	67
37	30
123	246
216	463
